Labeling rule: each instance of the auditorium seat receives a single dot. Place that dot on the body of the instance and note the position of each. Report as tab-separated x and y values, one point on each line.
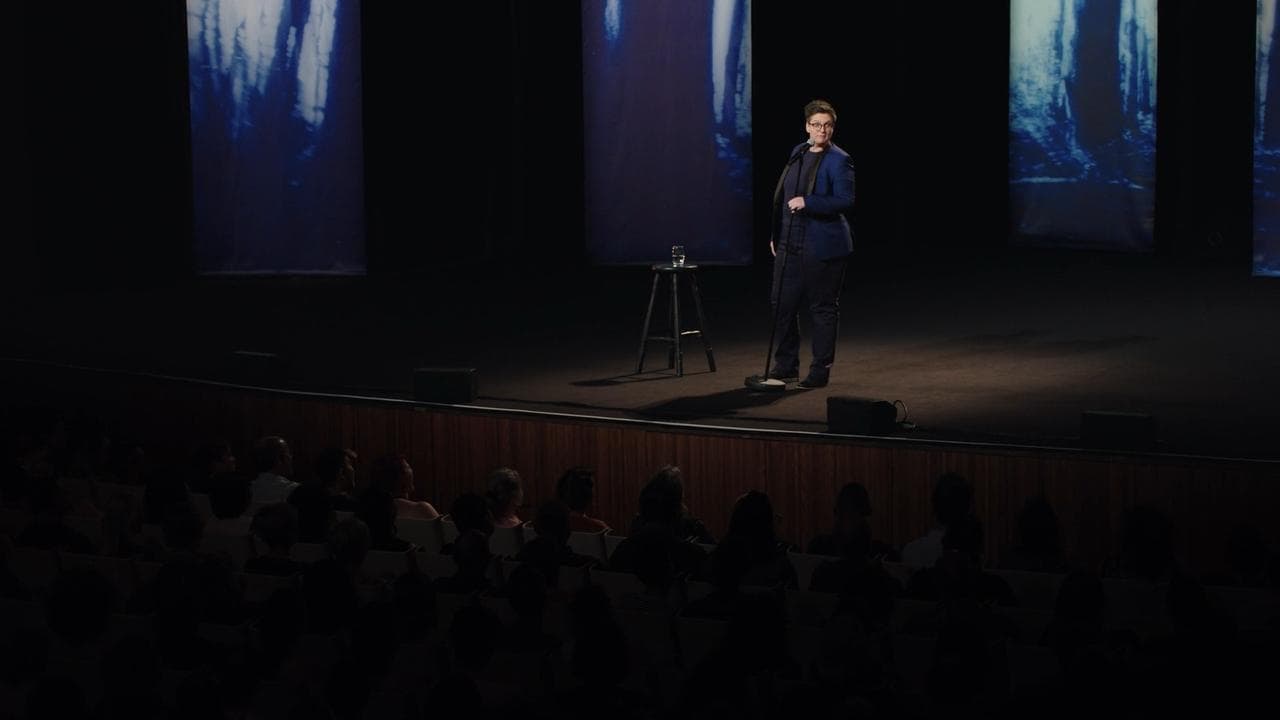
616	584
611	543
89	527
589	544
426	534
506	542
258	588
810	609
805	564
435	565
1033	589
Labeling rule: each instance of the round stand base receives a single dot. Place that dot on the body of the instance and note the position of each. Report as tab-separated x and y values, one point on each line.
760	383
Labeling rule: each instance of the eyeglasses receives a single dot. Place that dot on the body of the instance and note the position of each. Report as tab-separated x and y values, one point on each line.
822	126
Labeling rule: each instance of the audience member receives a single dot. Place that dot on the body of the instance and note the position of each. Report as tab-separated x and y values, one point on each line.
550	550
527	592
866	590
754	521
276	526
335	472
471	553
958	574
378	511
331	587
274	462
952	501
229	500
1146	547
727	565
316	515
209	461
852	515
1039	543
394	475
506	495
576	489
662	503
663	519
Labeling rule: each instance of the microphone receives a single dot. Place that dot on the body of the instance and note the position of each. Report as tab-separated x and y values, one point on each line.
800	150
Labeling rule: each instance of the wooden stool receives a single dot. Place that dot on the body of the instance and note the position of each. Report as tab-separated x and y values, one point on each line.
675	356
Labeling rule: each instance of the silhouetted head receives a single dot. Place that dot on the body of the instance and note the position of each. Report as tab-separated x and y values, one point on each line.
471	553
378	510
272	454
964	535
753	521
952	498
349	542
662	498
213	458
335	469
552	522
852	506
576	488
505	492
315	512
1038	527
393	475
471	512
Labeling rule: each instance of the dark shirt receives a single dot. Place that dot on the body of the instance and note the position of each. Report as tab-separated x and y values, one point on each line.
688	559
800	177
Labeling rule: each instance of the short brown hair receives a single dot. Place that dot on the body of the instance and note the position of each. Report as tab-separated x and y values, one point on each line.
819	106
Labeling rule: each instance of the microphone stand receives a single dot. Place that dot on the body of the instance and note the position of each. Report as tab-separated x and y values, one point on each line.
762	382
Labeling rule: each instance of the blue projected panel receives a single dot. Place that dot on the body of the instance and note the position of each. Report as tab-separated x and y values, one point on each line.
1082	129
276	145
667	105
1266	145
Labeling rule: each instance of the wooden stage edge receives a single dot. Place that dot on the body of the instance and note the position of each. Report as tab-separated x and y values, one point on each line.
452	447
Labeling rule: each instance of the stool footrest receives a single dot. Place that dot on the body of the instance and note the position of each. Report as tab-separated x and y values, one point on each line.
675	358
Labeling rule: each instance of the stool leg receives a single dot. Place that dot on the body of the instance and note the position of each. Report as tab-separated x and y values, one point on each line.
702	322
648	315
675	321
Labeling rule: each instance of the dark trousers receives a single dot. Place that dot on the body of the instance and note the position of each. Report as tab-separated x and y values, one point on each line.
816	283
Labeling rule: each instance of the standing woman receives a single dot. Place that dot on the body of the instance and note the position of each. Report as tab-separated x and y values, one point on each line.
811	243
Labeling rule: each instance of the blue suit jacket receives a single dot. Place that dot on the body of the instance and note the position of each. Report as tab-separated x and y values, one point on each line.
827	234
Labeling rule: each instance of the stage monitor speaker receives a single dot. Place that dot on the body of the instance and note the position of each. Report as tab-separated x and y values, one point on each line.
861	416
261	369
445	385
1113	430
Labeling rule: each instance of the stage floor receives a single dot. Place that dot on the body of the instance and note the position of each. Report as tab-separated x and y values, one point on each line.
1008	347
